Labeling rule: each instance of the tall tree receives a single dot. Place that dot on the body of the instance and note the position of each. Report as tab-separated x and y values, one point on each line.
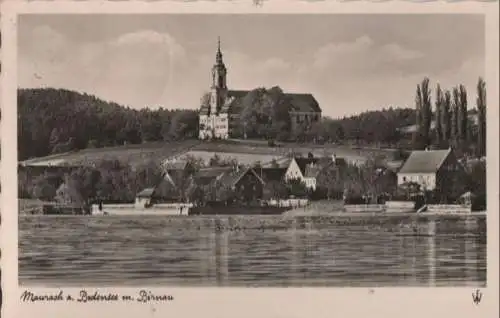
426	110
417	135
462	114
446	116
424	115
481	107
439	113
455	134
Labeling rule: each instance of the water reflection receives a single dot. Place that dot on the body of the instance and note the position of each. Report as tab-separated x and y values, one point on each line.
248	252
431	254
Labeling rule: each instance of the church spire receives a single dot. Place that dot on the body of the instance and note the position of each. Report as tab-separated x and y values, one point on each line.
219	88
218	57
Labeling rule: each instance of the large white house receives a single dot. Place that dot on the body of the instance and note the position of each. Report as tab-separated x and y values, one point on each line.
429	168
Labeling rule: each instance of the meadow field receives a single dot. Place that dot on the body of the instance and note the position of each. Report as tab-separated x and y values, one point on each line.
130	154
245	151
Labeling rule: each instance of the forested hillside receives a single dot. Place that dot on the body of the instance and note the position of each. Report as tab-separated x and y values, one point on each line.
56	120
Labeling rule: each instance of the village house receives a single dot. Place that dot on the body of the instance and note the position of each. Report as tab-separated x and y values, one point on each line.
242	185
219	112
431	169
177	171
305	169
176	176
163	191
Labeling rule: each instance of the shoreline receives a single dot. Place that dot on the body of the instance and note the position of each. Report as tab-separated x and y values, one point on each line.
285	215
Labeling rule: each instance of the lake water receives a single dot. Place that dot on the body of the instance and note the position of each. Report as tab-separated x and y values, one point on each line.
252	251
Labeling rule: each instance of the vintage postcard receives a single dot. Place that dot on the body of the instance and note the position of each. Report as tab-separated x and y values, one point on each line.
293	158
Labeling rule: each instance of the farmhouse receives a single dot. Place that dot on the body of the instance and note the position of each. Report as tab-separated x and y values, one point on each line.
219	112
177	171
164	190
429	168
282	169
305	169
231	184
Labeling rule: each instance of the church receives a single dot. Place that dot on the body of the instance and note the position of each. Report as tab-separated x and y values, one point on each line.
219	112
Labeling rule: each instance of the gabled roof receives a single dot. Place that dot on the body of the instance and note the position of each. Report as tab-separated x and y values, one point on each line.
425	161
231	178
207	175
304	103
298	102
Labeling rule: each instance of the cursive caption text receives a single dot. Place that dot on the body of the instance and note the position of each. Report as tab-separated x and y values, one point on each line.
85	296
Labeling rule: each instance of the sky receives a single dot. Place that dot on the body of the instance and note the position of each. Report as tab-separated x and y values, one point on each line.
350	63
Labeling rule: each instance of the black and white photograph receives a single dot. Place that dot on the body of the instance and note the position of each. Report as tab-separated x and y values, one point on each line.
252	150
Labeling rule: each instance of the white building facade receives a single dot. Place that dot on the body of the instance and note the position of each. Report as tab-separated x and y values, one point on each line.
293	171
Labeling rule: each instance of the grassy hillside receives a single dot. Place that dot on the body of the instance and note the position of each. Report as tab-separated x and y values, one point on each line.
129	154
243	151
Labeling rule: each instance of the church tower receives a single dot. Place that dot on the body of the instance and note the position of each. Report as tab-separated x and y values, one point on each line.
219	88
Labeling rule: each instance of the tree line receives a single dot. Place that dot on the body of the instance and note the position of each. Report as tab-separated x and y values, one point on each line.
453	125
264	114
52	121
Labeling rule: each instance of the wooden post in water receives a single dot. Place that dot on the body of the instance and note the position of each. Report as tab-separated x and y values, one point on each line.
431	252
